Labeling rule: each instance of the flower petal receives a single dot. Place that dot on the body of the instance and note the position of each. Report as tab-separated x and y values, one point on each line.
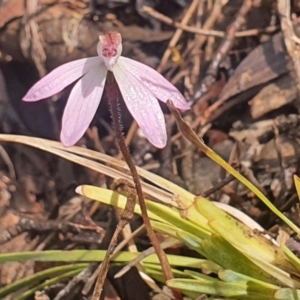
143	106
82	105
60	78
155	82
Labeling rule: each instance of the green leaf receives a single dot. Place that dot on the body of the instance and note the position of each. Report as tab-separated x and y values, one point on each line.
297	185
220	161
111	198
224	289
228	257
242	237
209	210
282	277
47	283
232	276
287	294
29	280
95	255
191	213
251	243
191	241
158	212
256	285
292	257
211	266
157	268
168	229
174	217
197	275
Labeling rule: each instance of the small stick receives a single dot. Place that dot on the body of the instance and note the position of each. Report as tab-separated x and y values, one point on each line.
222	51
218	186
207	32
291	40
88	285
229	38
9	164
165	244
177	35
31	225
81	277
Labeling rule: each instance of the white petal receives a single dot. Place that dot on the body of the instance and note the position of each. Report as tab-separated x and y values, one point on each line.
82	105
155	82
143	106
60	78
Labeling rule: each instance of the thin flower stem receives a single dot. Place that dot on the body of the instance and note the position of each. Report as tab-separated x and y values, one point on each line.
113	94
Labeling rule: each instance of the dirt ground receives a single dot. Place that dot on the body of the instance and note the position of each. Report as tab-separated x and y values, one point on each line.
236	62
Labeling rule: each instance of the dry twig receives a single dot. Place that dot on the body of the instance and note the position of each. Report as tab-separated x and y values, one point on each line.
32	225
177	35
291	40
223	50
204	31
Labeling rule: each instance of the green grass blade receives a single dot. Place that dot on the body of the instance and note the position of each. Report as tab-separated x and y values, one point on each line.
197	275
192	136
47	283
95	255
287	294
283	278
250	243
29	280
239	291
192	241
174	217
111	198
258	285
292	257
224	254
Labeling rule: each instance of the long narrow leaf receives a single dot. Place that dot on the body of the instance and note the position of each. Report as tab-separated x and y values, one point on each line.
94	255
29	280
48	283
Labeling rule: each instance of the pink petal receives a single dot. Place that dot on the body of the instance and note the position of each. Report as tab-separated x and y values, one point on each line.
60	78
155	82
82	105
143	106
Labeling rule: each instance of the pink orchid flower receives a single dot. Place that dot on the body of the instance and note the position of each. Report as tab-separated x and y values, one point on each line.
139	84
